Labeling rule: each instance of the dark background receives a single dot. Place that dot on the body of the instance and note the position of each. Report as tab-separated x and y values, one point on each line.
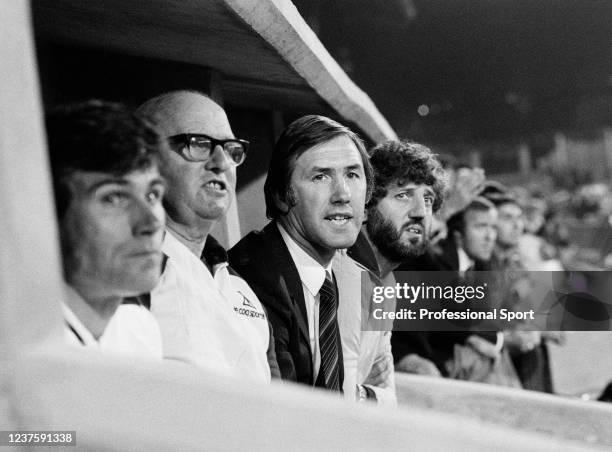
488	71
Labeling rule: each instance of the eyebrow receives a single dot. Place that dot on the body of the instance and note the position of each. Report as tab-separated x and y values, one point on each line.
159	181
123	182
108	181
321	169
428	189
355	166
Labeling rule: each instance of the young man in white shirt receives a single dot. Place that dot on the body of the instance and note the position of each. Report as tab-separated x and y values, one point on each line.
108	195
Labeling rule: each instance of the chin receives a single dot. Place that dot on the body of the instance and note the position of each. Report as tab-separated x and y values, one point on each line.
214	213
339	243
141	283
346	240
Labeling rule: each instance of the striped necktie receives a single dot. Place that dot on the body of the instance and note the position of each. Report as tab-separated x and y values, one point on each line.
330	372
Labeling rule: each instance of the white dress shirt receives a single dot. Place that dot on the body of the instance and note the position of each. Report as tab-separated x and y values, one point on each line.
312	275
364	343
465	262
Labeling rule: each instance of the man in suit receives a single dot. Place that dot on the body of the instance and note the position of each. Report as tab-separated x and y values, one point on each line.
471	239
477	356
315	192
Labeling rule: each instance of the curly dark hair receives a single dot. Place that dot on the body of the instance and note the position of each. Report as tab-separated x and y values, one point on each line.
97	136
402	161
299	136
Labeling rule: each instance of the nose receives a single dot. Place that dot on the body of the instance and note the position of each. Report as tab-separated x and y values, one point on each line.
417	209
341	192
219	160
147	219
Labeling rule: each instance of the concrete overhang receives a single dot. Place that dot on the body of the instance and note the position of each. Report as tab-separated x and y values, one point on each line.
265	52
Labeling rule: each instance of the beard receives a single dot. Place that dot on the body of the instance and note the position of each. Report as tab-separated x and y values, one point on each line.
388	239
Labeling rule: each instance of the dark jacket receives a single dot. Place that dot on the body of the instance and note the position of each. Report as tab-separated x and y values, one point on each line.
263	260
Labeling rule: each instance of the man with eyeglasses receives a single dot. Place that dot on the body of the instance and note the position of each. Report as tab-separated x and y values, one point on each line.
208	315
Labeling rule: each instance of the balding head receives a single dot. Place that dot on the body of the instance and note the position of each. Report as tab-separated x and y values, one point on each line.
199	192
185	111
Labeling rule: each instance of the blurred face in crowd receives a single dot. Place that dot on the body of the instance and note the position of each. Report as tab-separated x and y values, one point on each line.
400	224
534	219
479	233
111	233
327	191
510	224
201	190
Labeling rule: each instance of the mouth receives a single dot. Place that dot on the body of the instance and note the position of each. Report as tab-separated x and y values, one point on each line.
146	254
215	186
415	229
338	219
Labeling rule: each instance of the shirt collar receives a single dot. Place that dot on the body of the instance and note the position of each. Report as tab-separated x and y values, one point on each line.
73	321
362	252
213	255
311	272
465	262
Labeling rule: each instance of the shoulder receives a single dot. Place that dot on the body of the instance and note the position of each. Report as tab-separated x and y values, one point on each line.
251	245
259	252
134	330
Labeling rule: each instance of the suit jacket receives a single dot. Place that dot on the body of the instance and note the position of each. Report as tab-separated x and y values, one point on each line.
263	260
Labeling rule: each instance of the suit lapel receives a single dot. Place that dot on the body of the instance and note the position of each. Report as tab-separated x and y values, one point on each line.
290	278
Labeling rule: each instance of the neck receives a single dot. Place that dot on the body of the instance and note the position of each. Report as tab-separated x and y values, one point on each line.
93	311
192	236
385	266
322	255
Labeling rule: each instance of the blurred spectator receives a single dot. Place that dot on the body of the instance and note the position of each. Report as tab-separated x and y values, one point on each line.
529	352
108	195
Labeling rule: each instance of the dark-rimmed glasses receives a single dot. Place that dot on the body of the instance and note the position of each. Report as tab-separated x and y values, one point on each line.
197	147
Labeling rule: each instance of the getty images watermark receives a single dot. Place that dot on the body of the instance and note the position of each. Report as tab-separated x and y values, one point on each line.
489	301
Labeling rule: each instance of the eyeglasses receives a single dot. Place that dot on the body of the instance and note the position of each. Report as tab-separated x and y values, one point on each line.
197	147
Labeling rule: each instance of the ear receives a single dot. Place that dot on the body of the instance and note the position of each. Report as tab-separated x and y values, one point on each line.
458	238
280	203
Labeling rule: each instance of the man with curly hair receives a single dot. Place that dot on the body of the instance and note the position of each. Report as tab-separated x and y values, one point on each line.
408	189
